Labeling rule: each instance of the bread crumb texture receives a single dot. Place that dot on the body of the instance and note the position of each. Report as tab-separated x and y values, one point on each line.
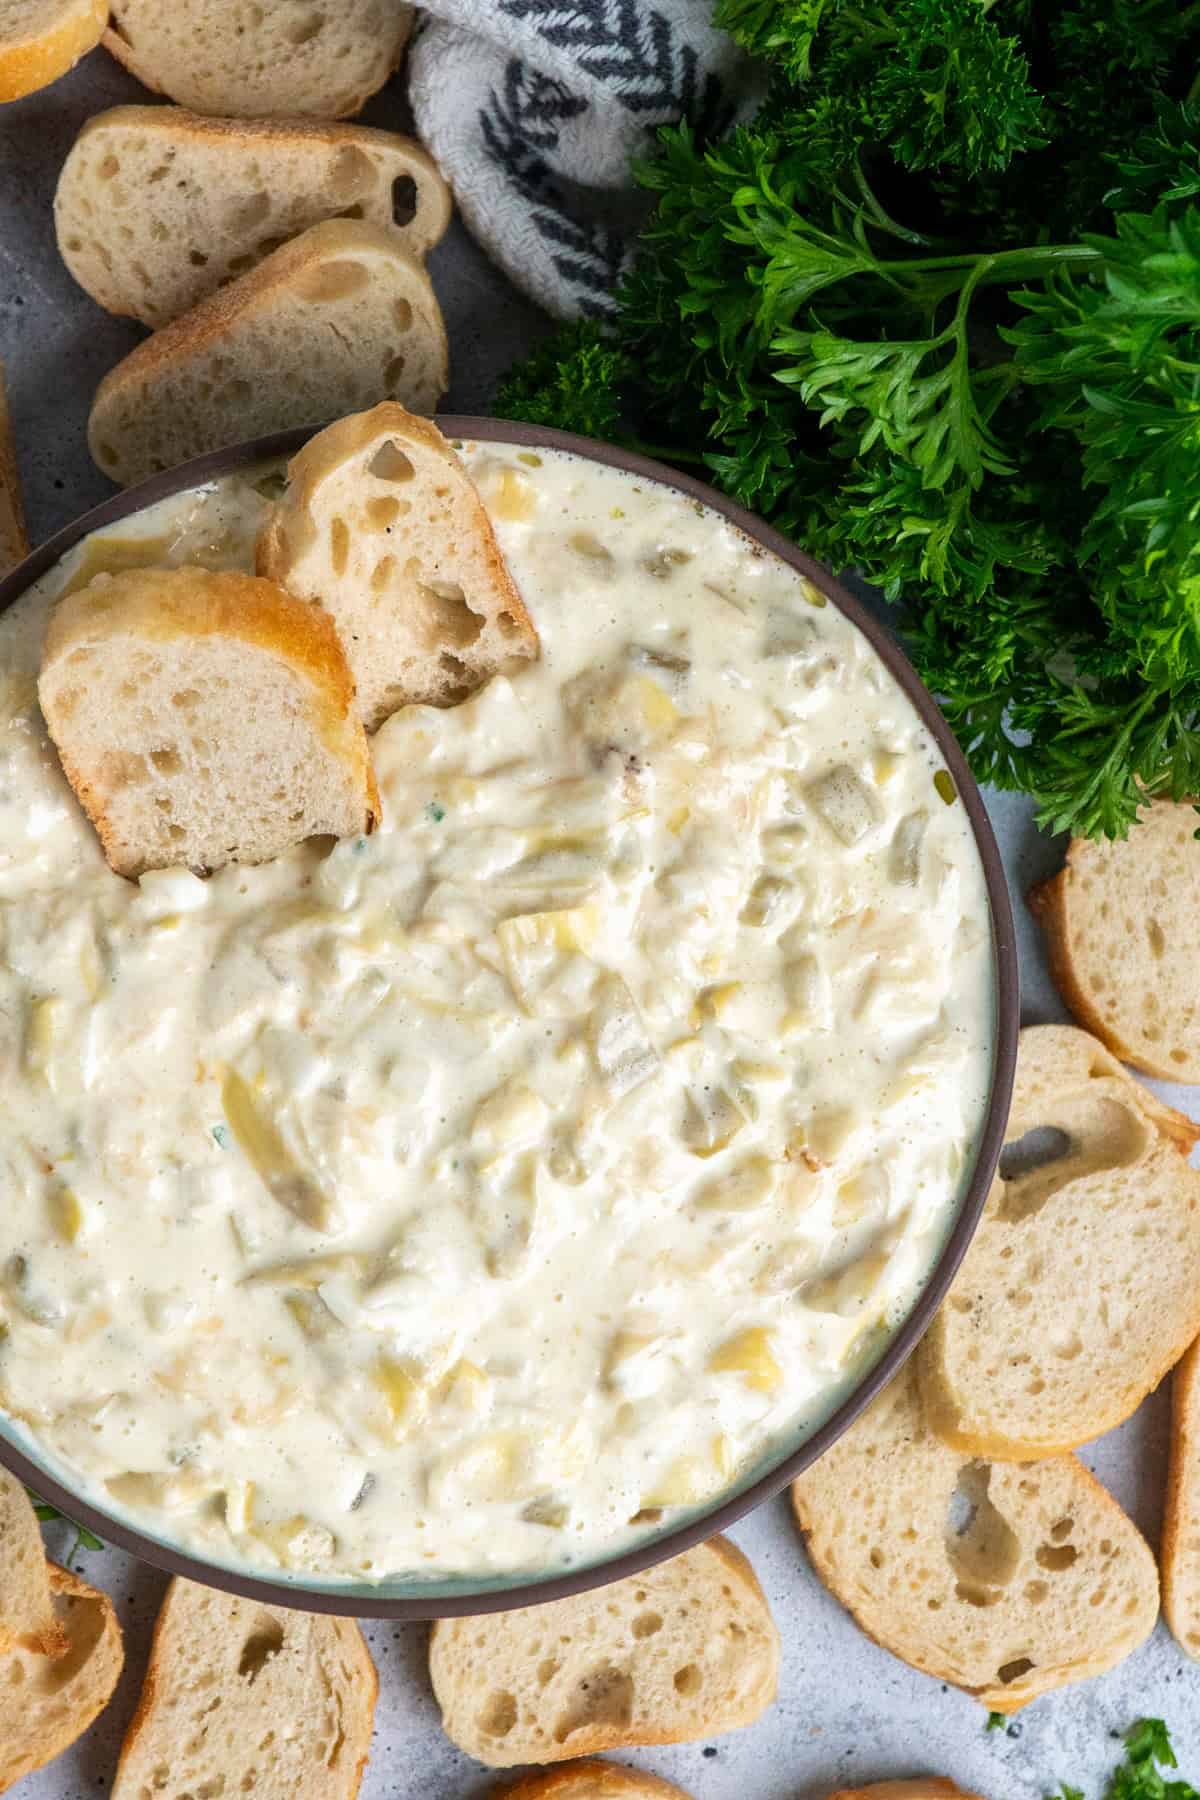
337	319
157	207
242	1698
685	1650
1006	1580
1122	924
238	58
1081	1287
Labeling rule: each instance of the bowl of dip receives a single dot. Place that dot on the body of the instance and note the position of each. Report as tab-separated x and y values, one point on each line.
652	1062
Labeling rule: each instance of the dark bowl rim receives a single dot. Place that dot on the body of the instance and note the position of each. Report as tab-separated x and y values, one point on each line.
361	1600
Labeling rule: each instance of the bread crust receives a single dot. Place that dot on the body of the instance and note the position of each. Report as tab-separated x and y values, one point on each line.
14	540
43	1633
590	1741
34	63
1181	1512
592	1776
214	317
920	1787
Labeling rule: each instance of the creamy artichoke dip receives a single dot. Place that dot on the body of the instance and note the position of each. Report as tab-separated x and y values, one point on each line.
473	1196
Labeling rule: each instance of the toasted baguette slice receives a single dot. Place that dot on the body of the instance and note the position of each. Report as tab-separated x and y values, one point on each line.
28	1619
684	1650
1122	925
240	1697
14	544
41	39
340	317
591	1779
382	525
1081	1287
921	1787
1005	1580
1180	1550
46	1703
157	208
203	718
222	56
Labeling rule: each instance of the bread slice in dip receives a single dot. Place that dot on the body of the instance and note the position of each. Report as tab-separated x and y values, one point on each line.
203	718
383	527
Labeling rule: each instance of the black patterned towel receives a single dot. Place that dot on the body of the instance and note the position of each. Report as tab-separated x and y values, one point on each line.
534	112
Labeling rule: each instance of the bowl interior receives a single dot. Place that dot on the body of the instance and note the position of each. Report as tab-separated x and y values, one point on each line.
447	1596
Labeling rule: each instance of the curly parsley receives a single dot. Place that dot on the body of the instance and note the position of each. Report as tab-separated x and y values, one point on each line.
936	314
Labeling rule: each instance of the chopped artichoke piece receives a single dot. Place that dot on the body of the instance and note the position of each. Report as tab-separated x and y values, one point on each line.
766	901
512	1115
845	802
47	1019
688	1480
66	1214
711	1121
622	1051
546	1510
466	1385
298	1542
662	666
402	1391
239	1506
308	1272
284	1180
511	495
831	1130
713	1001
809	992
588	545
484	1469
748	1184
663	562
904	858
749	1354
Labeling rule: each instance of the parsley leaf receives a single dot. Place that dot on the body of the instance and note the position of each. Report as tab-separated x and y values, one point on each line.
935	313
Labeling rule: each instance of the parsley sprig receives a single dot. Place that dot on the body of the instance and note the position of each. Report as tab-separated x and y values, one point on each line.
936	314
1147	1752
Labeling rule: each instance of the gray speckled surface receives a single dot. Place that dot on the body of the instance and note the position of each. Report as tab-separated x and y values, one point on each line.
846	1709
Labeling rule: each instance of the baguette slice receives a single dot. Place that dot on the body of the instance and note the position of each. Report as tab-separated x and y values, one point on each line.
340	317
1006	1581
685	1650
157	208
41	39
46	1703
203	718
240	1697
1122	925
591	1779
14	543
921	1787
244	60
1082	1285
1180	1550
28	1619
382	526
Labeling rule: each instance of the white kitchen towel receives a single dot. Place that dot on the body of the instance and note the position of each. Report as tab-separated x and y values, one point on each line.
534	111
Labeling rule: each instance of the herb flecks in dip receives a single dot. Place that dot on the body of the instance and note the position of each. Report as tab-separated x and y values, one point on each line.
446	1200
